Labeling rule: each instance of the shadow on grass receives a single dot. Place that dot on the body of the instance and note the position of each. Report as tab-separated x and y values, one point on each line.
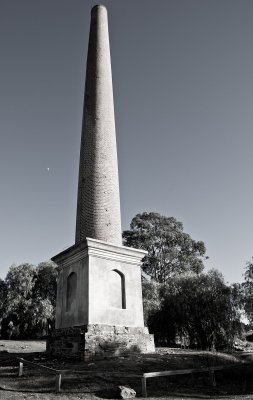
102	377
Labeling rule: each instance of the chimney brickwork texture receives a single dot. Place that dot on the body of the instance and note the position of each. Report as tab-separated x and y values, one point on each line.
98	200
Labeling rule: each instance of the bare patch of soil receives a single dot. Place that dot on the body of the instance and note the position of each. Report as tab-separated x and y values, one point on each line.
22	346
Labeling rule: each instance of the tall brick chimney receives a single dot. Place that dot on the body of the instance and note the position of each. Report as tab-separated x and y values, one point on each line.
99	309
98	202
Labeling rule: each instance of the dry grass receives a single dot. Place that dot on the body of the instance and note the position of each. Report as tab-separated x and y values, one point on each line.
96	380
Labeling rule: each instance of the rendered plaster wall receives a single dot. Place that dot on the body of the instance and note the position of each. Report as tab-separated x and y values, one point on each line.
99	283
114	296
72	310
103	289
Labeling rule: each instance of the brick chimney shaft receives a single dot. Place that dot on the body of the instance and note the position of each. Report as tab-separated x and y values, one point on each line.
98	201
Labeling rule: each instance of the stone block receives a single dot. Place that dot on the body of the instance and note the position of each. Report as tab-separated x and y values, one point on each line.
99	341
125	392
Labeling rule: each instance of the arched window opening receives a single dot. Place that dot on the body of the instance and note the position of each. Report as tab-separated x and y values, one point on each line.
71	290
117	295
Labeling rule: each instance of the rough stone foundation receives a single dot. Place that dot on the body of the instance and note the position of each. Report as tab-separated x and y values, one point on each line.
99	341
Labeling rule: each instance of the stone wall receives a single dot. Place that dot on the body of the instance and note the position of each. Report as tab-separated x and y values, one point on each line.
99	341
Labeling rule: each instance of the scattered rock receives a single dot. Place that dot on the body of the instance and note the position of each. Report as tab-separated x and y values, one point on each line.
125	392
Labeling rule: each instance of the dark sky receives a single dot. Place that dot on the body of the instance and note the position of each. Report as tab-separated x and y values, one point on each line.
183	90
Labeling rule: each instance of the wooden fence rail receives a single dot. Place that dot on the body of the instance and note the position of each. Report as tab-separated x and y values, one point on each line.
57	372
147	375
210	370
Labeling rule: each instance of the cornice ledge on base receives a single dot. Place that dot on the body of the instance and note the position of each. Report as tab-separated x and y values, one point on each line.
100	249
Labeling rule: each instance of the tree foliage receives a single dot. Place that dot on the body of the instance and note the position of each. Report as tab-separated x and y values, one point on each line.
151	299
198	308
247	286
28	303
171	251
20	282
45	285
3	296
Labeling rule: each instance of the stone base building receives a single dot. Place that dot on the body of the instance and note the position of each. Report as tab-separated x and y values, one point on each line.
99	302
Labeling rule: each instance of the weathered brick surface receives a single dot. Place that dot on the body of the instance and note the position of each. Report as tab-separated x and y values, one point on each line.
99	341
98	203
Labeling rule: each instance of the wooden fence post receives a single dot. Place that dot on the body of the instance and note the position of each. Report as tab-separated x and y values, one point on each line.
58	383
144	387
212	377
20	369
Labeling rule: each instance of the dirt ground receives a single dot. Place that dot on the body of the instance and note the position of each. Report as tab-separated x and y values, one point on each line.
100	379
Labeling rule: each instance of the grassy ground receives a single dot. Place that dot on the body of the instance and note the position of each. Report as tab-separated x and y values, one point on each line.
100	379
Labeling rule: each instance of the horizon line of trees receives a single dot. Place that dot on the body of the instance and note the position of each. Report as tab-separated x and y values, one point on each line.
182	302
